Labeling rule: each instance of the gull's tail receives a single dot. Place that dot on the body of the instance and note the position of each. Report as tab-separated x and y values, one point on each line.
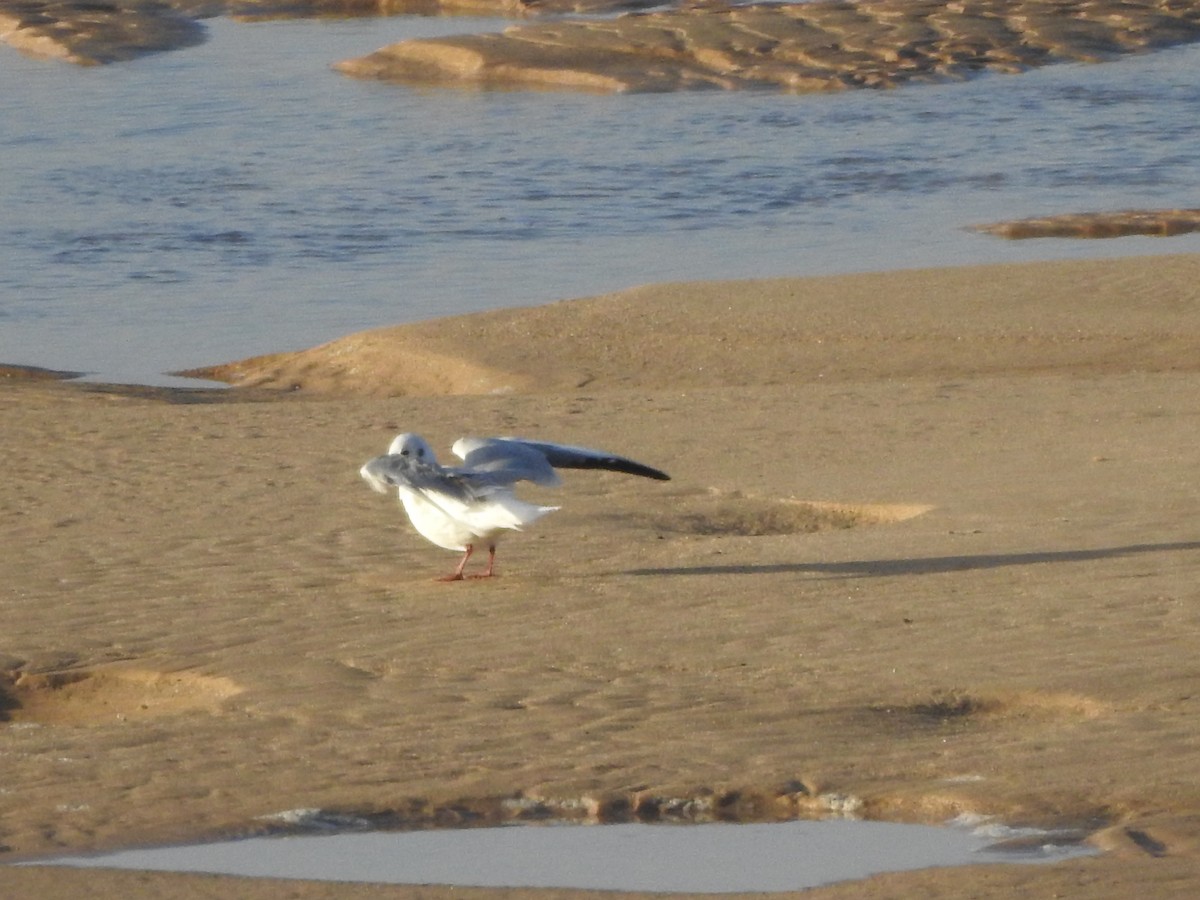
503	510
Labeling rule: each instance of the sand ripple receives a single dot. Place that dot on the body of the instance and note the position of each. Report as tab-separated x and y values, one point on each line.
802	48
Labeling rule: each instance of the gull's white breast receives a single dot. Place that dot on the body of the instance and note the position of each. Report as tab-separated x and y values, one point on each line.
452	524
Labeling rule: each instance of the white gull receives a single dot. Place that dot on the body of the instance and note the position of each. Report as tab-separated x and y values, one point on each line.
460	507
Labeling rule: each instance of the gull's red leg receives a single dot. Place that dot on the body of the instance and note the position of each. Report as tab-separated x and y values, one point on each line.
490	570
458	573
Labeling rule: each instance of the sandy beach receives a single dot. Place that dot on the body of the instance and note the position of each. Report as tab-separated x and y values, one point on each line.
929	549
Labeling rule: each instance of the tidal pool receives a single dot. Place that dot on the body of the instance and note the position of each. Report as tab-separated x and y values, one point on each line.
709	858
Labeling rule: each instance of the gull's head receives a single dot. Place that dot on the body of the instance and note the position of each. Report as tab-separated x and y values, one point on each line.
412	445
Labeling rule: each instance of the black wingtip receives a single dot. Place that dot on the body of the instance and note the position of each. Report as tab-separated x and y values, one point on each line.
611	464
629	467
563	457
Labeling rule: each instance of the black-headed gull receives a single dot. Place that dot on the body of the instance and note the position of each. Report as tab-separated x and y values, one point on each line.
461	507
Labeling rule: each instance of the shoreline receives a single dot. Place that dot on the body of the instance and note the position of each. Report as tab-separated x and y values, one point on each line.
1000	621
172	377
991	318
273	368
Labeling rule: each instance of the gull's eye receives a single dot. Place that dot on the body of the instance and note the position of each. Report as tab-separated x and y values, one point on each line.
404	452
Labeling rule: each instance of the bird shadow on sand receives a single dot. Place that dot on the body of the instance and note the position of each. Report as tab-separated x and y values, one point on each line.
930	565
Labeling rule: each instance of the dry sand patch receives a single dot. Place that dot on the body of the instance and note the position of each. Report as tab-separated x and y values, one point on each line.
99	696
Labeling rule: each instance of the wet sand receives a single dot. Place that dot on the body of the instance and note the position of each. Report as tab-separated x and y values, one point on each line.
826	45
796	48
929	549
1098	225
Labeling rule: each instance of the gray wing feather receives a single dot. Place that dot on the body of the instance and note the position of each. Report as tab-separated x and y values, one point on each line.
536	460
506	461
412	473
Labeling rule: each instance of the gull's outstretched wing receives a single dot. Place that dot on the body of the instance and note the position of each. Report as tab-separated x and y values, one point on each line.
517	459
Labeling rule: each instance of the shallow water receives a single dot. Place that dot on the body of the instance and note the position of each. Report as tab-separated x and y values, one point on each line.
682	858
239	197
